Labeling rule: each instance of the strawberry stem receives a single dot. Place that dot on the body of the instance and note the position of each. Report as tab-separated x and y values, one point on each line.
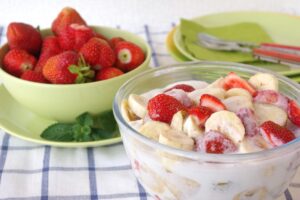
83	70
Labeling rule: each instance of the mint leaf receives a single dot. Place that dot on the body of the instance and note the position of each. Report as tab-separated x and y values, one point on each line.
85	119
99	134
105	121
58	132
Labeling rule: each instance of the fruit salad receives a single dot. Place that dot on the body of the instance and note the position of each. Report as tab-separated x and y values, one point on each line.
231	116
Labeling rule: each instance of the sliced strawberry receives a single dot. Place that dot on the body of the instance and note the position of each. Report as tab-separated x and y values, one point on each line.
184	87
215	142
211	102
108	73
181	96
162	107
271	97
234	81
294	112
249	121
202	113
276	134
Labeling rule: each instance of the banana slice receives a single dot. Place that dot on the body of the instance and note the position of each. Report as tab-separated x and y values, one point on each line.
264	81
152	129
235	103
253	144
138	105
217	83
196	94
268	112
228	123
178	120
127	112
191	127
238	92
177	140
136	124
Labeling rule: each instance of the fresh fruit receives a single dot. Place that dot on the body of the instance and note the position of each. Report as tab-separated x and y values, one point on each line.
234	81
178	120
249	121
152	129
215	142
294	112
127	112
264	81
184	87
67	68
162	107
227	123
114	41
181	96
16	61
196	94
271	97
138	105
202	113
254	144
276	134
267	112
24	36
211	102
176	139
129	56
238	92
66	17
192	127
50	48
235	103
34	76
98	53
75	36
108	73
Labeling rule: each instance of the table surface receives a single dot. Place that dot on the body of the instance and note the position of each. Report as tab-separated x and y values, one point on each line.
30	171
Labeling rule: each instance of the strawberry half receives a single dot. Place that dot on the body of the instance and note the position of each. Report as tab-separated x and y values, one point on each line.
16	61
129	56
215	142
66	17
248	119
234	81
294	112
34	76
271	97
212	103
276	134
162	107
202	113
24	36
184	87
108	73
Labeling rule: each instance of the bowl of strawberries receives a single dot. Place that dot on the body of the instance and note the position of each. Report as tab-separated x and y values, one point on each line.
71	68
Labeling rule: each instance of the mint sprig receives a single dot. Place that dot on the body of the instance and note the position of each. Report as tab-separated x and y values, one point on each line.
86	128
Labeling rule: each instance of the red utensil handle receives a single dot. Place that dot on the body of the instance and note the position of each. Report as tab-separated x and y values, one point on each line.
293	58
281	46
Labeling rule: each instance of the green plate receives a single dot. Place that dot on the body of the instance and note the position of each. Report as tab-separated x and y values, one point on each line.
283	28
22	123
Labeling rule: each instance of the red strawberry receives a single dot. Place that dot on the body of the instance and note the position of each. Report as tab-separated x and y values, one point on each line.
249	121
24	36
50	48
234	81
98	53
294	112
202	113
107	73
211	102
34	76
75	36
16	61
215	142
129	56
184	87
271	97
162	107
276	134
66	17
114	41
66	68
181	96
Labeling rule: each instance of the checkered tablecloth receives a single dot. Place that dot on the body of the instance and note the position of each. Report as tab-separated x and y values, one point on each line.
33	172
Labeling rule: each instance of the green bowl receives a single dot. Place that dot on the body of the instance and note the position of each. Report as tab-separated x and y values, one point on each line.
64	102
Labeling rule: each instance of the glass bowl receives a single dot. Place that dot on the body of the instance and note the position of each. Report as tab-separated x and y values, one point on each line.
168	173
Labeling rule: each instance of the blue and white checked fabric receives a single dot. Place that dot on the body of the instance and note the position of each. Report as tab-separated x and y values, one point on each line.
33	172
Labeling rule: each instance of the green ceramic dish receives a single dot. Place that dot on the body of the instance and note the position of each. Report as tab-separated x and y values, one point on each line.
64	102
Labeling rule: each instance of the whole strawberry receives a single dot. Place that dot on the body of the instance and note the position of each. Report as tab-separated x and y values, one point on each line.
75	36
129	55
16	61
114	41
108	73
24	36
66	17
50	48
98	53
66	68
34	76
